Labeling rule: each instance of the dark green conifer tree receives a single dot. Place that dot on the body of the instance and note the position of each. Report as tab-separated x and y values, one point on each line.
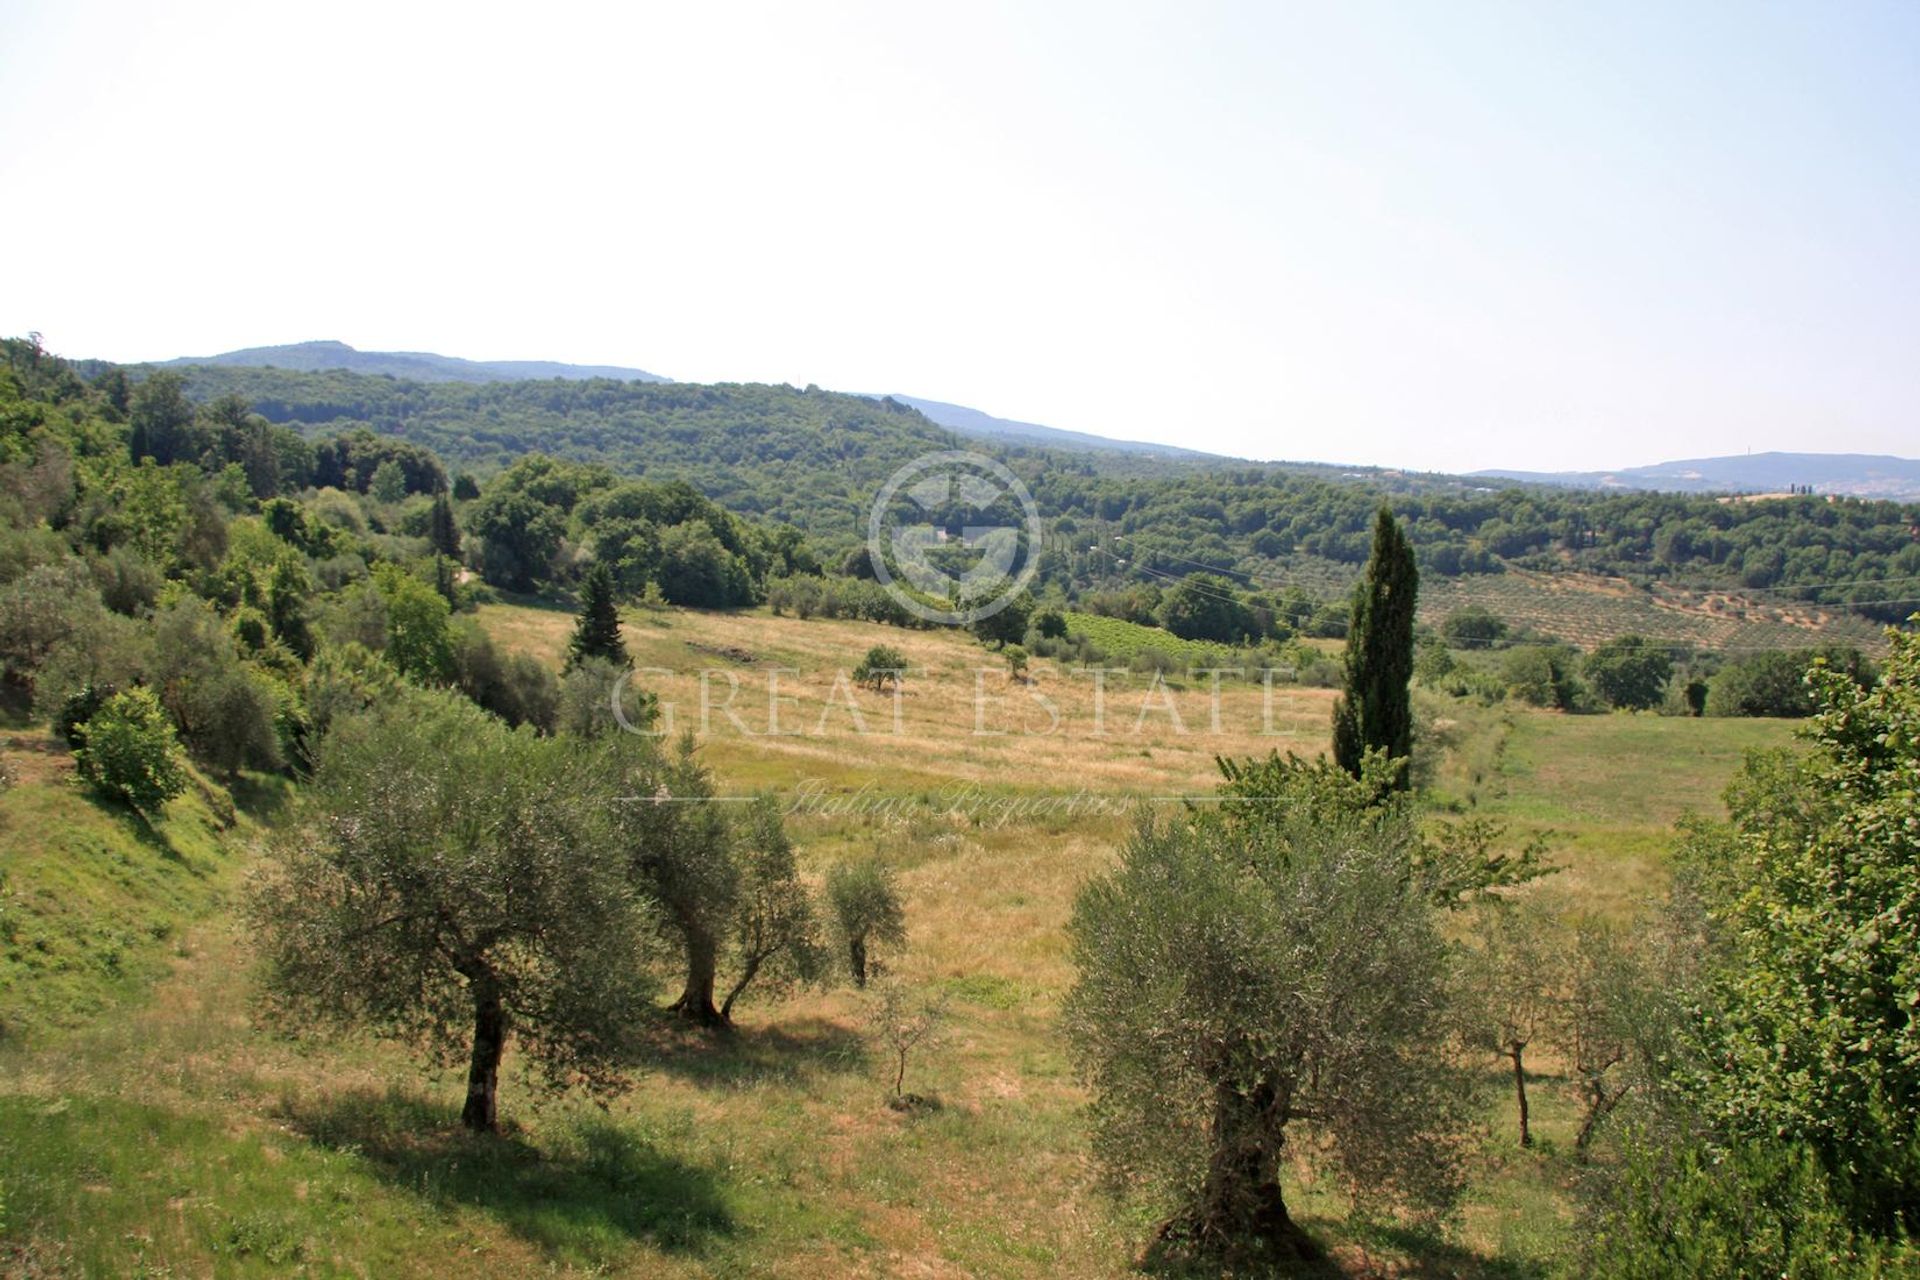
597	633
442	532
1375	710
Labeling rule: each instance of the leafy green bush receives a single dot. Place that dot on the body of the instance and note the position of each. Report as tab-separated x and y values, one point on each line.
418	644
883	665
1812	1033
1473	627
1542	676
586	705
517	687
1775	683
1752	1210
1017	660
130	751
1629	672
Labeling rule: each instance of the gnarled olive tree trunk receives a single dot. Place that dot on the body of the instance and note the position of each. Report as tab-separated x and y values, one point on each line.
1241	1207
481	1112
857	959
703	958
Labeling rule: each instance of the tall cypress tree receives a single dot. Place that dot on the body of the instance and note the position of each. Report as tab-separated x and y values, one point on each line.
1376	710
597	633
442	532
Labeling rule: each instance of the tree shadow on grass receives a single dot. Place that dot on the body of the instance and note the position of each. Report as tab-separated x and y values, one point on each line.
1402	1252
145	829
793	1053
1425	1255
602	1190
266	798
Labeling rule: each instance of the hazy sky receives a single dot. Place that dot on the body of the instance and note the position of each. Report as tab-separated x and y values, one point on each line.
1443	235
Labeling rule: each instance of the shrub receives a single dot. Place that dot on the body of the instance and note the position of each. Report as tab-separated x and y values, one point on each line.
106	649
130	751
1630	672
41	610
883	665
1017	660
79	707
128	582
1473	628
1751	1210
516	687
1775	683
1542	676
586	707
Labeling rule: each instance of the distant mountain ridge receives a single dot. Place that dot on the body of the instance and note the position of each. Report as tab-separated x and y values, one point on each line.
1862	475
421	366
1850	474
426	366
973	422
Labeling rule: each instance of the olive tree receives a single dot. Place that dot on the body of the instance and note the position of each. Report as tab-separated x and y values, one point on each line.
867	910
680	852
225	713
905	1022
1508	1003
460	882
775	927
1592	1022
1251	988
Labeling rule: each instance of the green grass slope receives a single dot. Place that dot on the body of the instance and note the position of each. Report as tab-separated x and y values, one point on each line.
93	899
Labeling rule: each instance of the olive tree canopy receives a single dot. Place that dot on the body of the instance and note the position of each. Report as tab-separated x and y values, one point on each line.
1256	982
459	883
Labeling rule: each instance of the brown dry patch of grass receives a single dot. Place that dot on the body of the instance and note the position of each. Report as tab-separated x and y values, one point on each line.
958	719
35	758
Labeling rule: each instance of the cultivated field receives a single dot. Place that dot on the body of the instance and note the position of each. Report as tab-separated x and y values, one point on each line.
1585	610
177	1137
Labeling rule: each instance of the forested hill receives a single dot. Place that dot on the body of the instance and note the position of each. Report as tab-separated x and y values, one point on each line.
809	458
814	459
422	366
